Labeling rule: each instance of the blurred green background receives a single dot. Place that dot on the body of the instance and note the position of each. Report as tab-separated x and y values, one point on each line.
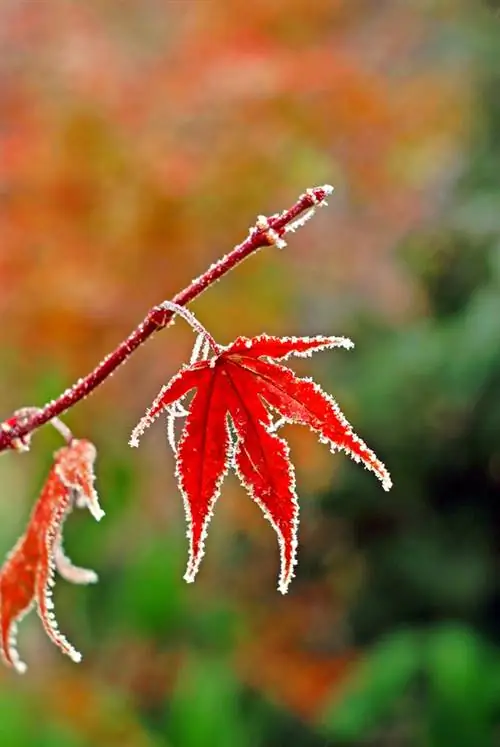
140	139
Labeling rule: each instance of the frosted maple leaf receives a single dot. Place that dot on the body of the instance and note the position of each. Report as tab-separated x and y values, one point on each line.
27	575
229	424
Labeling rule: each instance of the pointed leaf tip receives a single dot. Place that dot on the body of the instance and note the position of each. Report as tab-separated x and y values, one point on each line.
243	386
27	575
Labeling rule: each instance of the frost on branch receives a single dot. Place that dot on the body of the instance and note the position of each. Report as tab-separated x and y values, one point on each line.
229	424
27	575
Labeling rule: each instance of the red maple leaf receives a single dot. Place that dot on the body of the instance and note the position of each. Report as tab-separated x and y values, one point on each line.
229	423
27	575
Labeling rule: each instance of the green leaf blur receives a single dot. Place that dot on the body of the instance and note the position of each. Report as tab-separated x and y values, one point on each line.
142	139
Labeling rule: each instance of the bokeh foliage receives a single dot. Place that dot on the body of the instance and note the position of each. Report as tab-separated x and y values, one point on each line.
141	138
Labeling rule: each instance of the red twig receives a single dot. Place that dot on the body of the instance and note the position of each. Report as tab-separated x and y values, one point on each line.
16	430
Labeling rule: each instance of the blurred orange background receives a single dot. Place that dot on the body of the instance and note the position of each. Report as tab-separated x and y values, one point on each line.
140	140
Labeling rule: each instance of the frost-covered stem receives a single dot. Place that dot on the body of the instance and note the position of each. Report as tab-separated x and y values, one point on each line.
15	430
193	321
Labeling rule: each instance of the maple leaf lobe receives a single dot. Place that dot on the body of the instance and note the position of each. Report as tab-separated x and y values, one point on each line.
27	575
229	424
